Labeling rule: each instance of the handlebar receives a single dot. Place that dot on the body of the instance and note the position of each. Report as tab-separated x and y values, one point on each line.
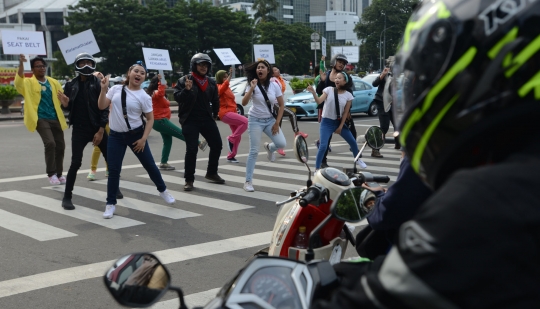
381	178
312	195
299	194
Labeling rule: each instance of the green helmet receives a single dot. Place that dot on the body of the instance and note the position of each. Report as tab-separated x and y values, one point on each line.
467	81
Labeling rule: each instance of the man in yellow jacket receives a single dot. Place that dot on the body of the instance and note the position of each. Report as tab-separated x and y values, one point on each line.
43	112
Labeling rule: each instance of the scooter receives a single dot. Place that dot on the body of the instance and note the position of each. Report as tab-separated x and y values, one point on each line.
309	206
140	280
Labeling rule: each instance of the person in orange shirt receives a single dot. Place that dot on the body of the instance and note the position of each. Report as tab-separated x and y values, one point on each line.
227	113
292	116
162	124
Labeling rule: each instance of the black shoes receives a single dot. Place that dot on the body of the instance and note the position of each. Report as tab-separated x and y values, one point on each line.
119	195
67	204
324	165
376	154
188	186
215	178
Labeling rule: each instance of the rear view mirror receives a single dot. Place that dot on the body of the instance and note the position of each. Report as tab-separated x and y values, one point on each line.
374	137
301	149
137	280
346	206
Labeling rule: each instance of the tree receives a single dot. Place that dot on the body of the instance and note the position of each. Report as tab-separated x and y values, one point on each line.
123	27
264	8
292	45
59	68
372	24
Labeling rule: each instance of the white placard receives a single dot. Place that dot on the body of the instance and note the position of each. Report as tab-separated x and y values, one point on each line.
226	56
264	51
23	42
352	52
83	42
157	59
323	47
315	45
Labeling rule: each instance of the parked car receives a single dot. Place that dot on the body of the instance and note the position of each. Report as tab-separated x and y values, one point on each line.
304	105
239	90
370	78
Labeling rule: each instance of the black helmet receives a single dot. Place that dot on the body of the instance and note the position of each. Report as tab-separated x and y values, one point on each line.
466	84
338	57
86	70
198	58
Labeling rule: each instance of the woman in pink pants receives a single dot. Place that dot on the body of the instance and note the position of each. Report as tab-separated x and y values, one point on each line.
227	114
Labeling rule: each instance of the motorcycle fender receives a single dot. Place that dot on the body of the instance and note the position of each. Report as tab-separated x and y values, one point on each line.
285	209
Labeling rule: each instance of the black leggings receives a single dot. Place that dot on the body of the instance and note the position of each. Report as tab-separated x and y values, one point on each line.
292	119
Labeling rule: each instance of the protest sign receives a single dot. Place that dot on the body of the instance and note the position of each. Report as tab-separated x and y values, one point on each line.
83	42
352	52
23	42
157	59
265	51
226	56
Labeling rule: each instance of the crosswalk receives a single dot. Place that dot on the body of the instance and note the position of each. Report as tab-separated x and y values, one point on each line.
273	182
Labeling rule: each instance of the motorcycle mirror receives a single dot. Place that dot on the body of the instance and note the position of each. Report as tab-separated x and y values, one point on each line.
301	149
347	206
302	154
137	280
374	137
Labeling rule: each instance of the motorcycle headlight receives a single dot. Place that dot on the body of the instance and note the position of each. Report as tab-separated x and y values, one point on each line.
285	225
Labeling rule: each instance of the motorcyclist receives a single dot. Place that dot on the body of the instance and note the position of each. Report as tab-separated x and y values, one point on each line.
467	108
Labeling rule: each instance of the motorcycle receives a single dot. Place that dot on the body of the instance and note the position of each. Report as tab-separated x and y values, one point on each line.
139	280
308	208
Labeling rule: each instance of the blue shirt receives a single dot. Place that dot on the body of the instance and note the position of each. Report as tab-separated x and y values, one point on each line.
46	107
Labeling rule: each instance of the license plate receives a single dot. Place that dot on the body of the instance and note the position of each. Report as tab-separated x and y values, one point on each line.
293	109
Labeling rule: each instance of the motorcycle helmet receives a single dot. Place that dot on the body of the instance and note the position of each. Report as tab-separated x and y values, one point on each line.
338	57
365	197
467	84
85	70
198	58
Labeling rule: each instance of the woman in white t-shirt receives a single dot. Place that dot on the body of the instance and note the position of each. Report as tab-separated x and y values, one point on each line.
260	117
332	122
129	132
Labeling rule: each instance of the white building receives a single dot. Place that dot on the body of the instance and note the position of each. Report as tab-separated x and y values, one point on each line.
336	26
245	7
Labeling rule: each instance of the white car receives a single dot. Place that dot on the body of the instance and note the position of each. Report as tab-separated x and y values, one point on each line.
240	88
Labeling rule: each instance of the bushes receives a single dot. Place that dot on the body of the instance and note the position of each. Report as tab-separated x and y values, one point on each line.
297	84
8	92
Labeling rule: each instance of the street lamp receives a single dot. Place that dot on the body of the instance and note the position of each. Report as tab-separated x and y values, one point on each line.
380	45
252	34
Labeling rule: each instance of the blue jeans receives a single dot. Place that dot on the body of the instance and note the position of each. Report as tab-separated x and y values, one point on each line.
328	127
116	149
256	126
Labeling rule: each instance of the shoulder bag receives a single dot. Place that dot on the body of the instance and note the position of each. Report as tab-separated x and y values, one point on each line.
272	111
124	109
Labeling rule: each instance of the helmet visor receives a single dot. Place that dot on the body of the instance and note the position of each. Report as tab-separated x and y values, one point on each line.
404	90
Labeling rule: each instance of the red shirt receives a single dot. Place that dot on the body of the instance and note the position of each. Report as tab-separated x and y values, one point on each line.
160	104
227	102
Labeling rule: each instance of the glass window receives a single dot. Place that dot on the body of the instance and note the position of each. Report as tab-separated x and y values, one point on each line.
3	20
32	18
14	19
54	19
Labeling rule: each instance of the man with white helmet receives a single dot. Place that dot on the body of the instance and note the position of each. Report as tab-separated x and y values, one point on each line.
80	98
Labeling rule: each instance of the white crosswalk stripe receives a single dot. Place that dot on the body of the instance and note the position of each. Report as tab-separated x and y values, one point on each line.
155	209
31	228
82	213
181	196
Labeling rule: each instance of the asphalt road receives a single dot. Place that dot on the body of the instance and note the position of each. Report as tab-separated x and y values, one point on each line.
53	258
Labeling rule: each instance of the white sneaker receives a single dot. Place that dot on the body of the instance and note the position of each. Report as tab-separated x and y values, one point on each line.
248	187
53	180
315	173
109	211
62	180
360	164
167	197
269	154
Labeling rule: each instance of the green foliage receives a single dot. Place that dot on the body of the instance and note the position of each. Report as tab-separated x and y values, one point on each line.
292	45
300	84
8	92
123	27
372	24
59	68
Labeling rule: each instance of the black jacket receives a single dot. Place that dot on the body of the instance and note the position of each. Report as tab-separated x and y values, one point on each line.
378	82
187	98
99	118
472	244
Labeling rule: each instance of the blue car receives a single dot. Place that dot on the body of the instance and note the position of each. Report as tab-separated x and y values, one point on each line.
304	105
